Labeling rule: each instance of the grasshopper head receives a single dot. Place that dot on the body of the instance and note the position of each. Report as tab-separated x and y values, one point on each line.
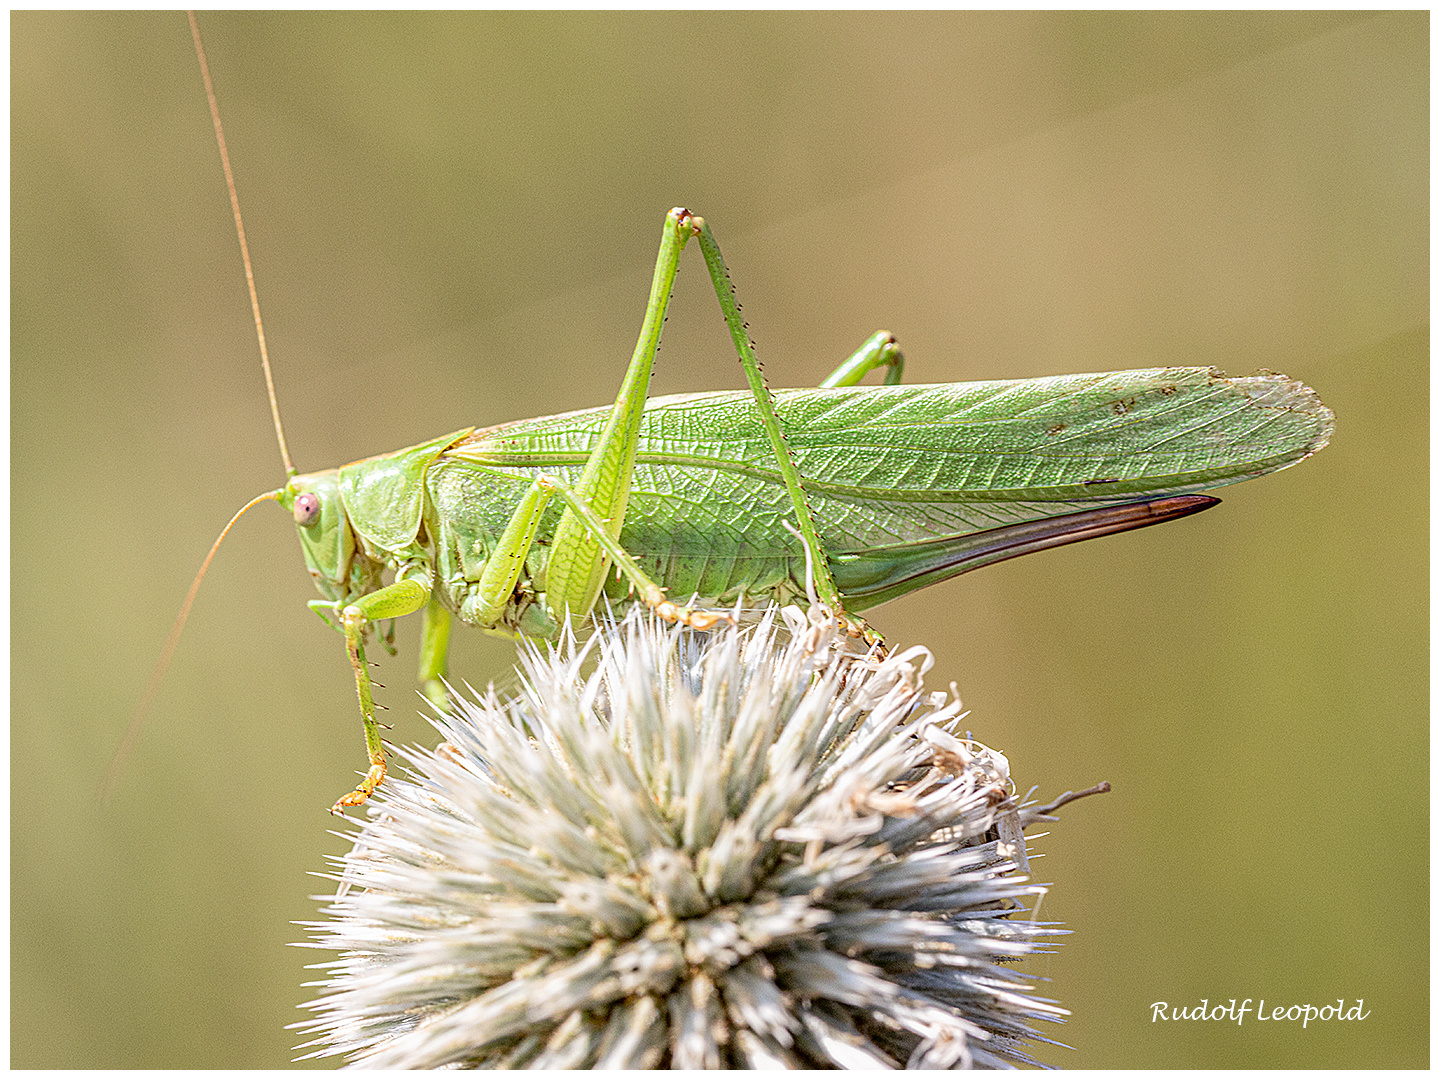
325	533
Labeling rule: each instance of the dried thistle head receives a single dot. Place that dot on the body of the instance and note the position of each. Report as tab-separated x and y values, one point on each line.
747	855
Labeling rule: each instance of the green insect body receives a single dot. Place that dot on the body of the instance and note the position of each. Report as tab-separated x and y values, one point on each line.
689	499
910	485
893	487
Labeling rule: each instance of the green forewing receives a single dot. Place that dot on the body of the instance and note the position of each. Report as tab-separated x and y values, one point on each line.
897	465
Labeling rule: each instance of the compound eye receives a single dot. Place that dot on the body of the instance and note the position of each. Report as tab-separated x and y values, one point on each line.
307	508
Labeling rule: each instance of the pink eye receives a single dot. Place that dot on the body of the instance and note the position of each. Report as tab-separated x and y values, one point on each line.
307	508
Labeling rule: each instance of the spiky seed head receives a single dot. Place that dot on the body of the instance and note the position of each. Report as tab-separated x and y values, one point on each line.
668	854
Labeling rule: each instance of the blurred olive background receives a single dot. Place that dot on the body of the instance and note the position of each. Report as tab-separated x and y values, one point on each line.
454	218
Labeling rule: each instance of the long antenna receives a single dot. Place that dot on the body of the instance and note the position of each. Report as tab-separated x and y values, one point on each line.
132	731
167	651
240	232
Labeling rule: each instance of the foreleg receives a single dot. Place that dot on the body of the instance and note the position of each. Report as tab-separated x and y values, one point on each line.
401	598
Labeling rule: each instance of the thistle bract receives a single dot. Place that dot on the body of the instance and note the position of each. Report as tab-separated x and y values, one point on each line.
674	851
